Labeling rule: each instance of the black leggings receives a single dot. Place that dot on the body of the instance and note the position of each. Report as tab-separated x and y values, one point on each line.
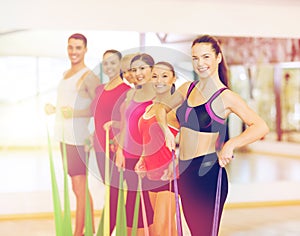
197	189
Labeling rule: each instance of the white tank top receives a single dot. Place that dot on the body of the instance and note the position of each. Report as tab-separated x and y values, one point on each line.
72	131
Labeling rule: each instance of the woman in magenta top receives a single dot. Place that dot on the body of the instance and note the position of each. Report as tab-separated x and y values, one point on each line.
204	106
130	144
156	161
106	107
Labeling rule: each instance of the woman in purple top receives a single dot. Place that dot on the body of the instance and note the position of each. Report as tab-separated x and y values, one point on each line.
204	106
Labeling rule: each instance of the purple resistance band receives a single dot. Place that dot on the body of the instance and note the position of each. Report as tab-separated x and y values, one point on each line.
178	216
217	204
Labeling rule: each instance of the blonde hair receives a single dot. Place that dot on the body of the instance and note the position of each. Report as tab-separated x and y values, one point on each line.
127	59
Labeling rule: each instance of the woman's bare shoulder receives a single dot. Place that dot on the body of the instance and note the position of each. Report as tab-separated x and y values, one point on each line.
184	88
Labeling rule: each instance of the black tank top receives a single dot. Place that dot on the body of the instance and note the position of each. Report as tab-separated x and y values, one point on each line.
202	118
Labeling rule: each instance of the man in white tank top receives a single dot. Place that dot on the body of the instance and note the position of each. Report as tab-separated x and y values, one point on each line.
75	92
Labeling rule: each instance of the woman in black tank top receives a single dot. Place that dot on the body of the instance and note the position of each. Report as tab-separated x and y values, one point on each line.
204	107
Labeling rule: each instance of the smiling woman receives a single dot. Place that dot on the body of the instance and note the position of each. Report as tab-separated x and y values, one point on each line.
29	76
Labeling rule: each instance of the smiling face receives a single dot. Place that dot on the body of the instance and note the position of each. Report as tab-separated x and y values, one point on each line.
128	76
163	78
76	51
205	60
126	71
111	65
141	72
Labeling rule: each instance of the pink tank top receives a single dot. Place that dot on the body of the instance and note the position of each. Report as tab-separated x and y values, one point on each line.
133	142
106	107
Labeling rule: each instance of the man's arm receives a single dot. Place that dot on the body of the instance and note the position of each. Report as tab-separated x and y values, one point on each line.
91	82
86	88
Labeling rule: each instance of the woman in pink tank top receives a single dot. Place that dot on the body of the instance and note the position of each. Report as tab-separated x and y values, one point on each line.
156	162
130	143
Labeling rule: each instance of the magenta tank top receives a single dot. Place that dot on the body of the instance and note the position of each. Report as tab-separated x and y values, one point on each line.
133	142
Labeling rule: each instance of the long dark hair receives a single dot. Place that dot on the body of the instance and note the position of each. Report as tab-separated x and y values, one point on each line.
119	54
113	51
223	69
167	64
143	57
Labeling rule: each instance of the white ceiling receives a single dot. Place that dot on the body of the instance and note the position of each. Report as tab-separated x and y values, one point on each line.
40	18
276	18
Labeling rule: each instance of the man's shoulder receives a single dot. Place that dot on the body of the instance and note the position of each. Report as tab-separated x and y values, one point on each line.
90	75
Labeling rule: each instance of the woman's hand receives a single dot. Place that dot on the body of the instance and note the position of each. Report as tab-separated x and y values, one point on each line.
225	156
140	167
113	145
170	140
168	173
107	125
170	170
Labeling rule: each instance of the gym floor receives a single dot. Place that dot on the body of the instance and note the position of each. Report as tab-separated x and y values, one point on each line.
264	193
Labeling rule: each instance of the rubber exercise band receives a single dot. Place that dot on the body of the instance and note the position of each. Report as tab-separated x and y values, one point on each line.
178	216
217	204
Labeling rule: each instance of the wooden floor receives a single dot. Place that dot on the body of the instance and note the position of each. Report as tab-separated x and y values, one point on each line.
262	221
264	192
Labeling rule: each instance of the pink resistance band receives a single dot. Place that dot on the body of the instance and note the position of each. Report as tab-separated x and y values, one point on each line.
217	201
217	204
178	216
144	215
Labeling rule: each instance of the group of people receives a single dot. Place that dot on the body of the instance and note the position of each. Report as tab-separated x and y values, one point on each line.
143	115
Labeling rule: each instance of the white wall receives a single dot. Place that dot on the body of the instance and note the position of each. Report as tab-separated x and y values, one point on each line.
269	18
